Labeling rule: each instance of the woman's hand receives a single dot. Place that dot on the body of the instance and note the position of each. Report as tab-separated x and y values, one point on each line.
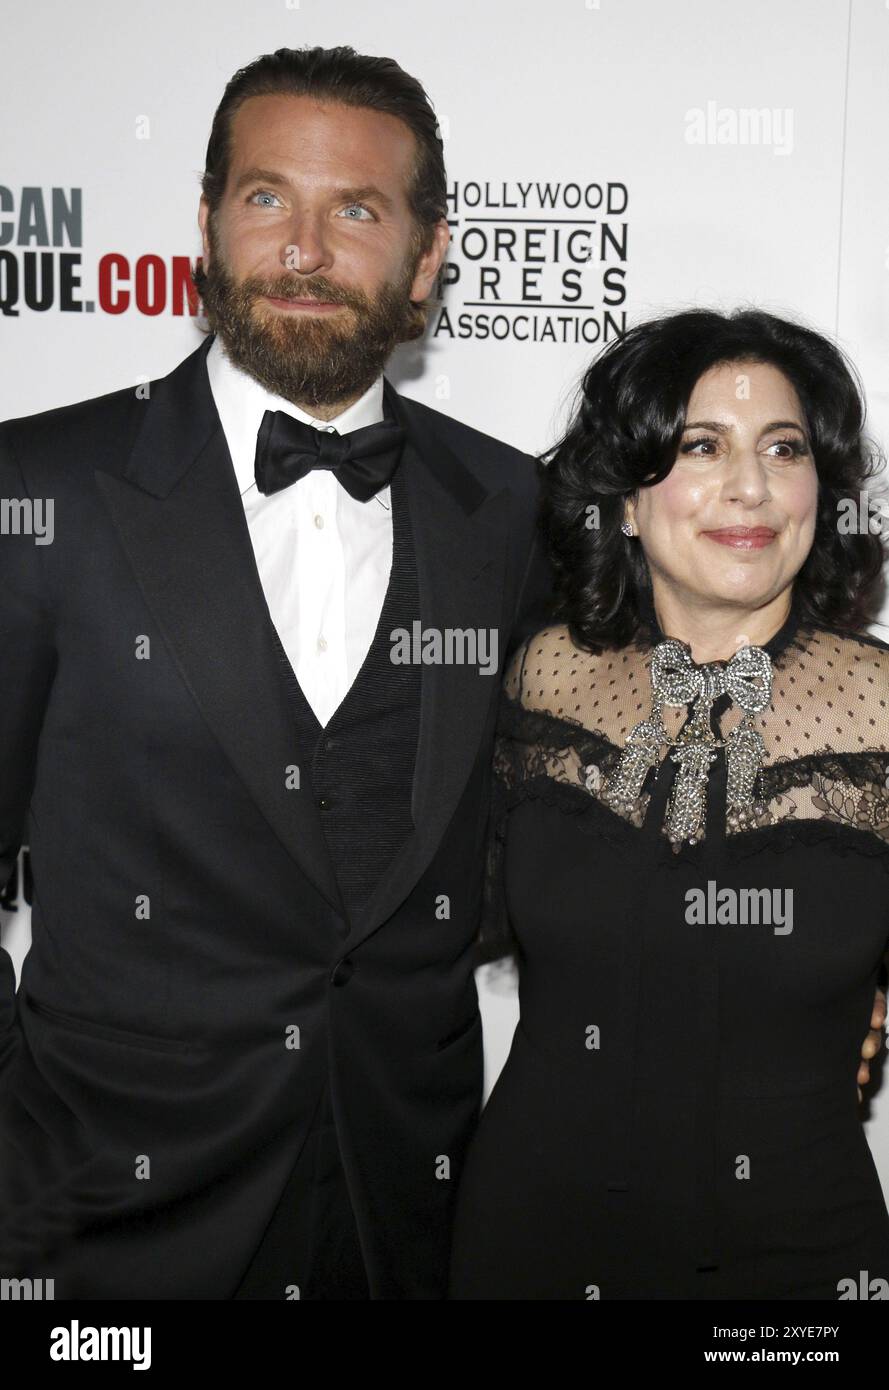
874	1040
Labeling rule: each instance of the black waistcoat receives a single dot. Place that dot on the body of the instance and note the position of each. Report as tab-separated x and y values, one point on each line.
360	766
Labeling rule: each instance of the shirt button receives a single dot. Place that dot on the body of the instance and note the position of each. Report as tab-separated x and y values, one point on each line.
322	644
319	521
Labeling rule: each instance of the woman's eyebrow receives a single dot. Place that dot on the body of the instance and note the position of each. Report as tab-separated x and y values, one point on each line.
722	428
784	425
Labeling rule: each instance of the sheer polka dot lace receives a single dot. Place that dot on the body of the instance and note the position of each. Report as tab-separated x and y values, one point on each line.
825	730
565	716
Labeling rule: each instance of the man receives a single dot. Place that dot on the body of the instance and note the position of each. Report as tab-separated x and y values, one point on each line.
245	1060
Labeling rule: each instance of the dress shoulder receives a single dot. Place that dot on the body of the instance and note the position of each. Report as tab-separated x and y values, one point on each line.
830	696
606	691
543	667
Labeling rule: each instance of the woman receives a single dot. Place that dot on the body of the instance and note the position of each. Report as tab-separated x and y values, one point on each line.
691	843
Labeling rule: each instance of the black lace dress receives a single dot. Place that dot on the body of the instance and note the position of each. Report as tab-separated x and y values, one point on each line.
678	1114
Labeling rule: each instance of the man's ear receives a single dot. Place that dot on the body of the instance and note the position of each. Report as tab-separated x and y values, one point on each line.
430	262
203	219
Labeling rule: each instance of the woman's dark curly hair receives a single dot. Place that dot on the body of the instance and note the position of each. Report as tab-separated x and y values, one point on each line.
625	433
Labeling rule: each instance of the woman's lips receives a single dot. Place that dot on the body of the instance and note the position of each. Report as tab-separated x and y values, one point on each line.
316	306
743	537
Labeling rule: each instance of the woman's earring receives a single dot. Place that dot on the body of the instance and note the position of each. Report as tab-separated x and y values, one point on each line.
627	529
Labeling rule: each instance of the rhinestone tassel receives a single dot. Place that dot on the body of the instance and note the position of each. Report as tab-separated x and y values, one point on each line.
677	680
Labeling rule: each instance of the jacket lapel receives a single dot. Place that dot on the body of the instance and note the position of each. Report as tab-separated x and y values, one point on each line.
181	522
460	533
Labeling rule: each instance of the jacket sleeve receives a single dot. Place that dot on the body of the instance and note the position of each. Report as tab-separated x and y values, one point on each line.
496	937
27	665
534	605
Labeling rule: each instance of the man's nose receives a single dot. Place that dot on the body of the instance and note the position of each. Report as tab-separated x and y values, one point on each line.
306	249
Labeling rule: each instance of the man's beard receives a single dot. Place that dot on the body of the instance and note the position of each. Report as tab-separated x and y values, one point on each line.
308	359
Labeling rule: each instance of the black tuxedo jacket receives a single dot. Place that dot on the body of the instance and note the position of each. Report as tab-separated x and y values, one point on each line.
192	980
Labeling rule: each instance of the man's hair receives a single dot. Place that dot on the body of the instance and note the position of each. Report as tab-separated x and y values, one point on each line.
353	79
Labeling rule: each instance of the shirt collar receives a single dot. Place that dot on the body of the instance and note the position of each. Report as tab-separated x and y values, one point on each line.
241	401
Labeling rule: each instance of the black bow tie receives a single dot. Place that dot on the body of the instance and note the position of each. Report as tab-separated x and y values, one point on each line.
363	460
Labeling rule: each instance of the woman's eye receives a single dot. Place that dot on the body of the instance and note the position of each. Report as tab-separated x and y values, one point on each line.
779	448
357	208
792	448
709	446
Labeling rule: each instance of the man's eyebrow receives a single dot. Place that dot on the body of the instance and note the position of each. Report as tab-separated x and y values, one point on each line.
257	175
367	192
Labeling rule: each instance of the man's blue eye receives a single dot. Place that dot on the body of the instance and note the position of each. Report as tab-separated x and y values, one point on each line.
360	208
262	193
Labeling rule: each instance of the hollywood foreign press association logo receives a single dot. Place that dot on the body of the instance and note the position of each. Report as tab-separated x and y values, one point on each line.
535	261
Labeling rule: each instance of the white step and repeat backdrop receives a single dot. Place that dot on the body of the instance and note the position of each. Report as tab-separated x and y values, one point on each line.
607	159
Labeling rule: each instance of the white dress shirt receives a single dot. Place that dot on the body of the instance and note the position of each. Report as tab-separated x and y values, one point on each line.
324	559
